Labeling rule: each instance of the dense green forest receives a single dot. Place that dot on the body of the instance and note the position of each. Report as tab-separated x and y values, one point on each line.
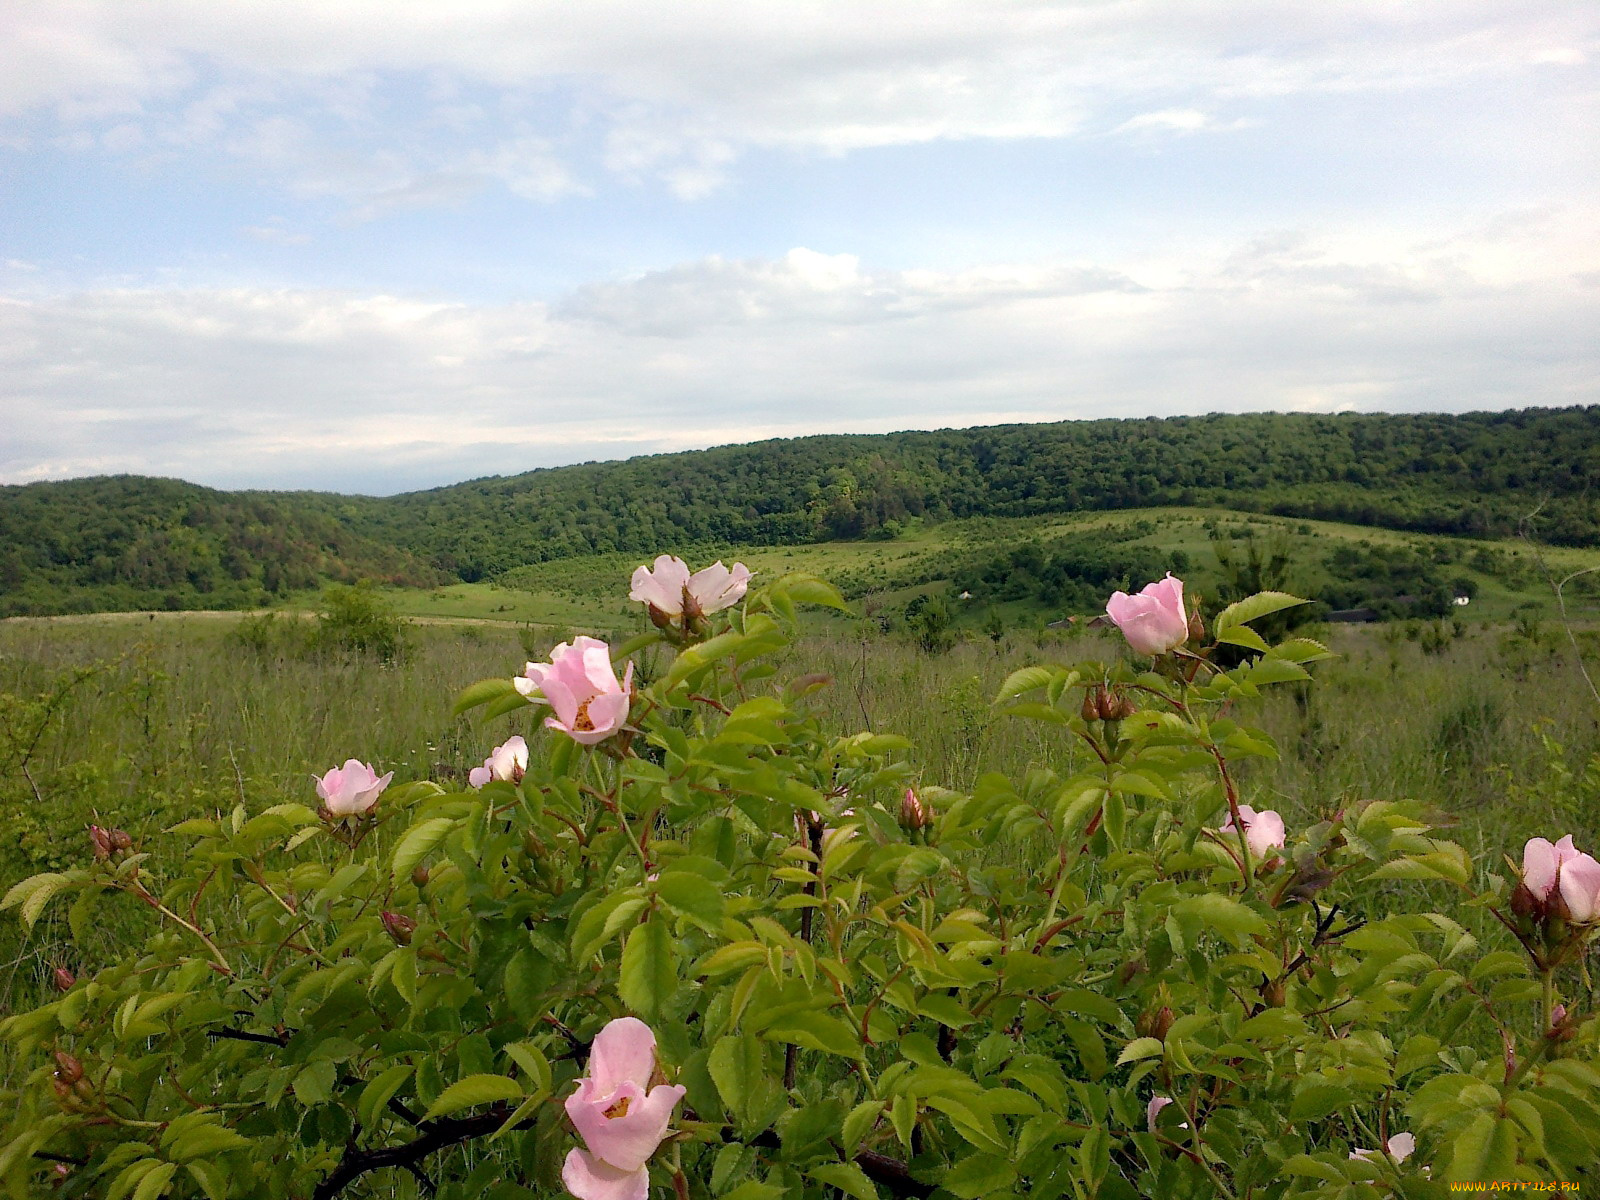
129	542
126	542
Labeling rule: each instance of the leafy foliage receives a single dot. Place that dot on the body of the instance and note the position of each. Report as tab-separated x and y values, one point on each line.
851	1002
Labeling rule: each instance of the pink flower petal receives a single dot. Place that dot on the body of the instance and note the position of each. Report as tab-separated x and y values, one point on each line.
623	1127
479	776
1539	866
1580	888
588	1178
624	1051
661	586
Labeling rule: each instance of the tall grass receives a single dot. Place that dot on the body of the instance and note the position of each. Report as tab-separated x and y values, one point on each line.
184	716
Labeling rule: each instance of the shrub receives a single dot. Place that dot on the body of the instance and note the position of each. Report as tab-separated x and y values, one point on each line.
1121	982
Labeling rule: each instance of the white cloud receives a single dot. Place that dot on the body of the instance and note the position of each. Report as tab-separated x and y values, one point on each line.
325	389
680	91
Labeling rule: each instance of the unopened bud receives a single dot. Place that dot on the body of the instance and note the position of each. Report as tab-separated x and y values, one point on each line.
660	619
1107	705
1524	903
1090	710
68	1069
419	875
64	1093
1563	1025
913	812
1197	627
100	840
61	1171
1126	972
1124	707
1156	1023
64	979
399	926
120	840
1273	992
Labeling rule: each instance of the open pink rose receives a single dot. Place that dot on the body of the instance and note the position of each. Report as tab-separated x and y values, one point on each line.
1153	621
509	762
352	789
1264	832
670	590
1562	869
581	685
620	1121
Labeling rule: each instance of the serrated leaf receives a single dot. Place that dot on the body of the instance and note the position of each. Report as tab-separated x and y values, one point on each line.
156	1182
848	1178
376	1095
1253	608
483	692
1025	680
417	843
649	973
472	1091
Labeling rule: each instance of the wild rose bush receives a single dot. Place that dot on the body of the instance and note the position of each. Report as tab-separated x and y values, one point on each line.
675	938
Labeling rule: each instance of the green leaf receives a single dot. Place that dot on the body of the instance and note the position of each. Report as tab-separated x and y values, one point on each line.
484	691
421	840
155	1183
1026	680
1242	635
1143	1047
863	1117
1224	915
815	1031
314	1083
376	1095
736	1064
33	894
1484	1151
649	968
1318	1100
754	1189
979	1175
695	896
212	1180
848	1178
1253	608
473	1090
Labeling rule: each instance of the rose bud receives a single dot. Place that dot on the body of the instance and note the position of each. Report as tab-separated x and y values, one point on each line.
64	979
1106	704
419	875
1524	903
1563	1025
1126	972
1155	1024
1091	707
68	1069
64	1094
399	926
1124	707
120	840
1273	992
913	812
101	841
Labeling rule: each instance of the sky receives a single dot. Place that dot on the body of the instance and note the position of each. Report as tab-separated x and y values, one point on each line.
380	245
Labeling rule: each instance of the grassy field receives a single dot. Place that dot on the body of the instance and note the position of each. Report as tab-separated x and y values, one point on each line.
179	716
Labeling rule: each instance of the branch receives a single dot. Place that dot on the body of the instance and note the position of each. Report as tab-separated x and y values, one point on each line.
437	1135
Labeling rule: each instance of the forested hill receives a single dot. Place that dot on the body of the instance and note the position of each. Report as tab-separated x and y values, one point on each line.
1477	473
131	542
125	542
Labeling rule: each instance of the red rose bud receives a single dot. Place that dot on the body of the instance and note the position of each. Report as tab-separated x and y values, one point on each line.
101	841
64	979
68	1069
1155	1024
1563	1025
419	875
1197	627
120	840
399	927
1124	707
1091	708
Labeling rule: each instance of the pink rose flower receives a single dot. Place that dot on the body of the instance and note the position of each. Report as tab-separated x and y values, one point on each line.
509	762
580	684
670	590
1263	831
1153	621
1400	1147
620	1121
1153	1110
914	813
1549	870
352	789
